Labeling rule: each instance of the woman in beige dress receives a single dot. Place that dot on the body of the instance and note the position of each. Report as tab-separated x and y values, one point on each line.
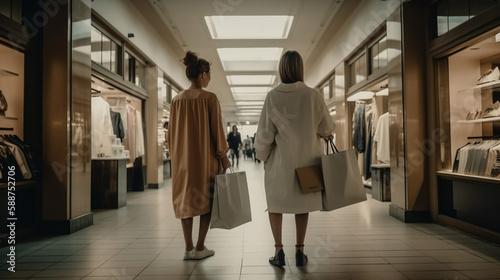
293	121
198	151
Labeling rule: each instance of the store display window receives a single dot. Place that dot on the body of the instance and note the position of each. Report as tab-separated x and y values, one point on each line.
469	83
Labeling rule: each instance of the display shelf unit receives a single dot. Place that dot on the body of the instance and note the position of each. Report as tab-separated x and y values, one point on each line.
494	119
459	176
471	202
485	86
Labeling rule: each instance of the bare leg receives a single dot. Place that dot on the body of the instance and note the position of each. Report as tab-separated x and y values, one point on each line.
187	229
276	220
204	225
301	227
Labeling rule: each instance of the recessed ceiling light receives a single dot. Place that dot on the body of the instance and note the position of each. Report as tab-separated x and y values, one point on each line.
251	79
247	90
249	27
249	97
249	103
250	59
247	114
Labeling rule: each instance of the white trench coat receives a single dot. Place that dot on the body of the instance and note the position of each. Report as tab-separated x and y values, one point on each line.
292	122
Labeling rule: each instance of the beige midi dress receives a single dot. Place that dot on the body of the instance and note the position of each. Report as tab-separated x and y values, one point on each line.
197	141
292	122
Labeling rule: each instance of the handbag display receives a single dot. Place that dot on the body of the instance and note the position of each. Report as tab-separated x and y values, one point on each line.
231	204
342	179
310	178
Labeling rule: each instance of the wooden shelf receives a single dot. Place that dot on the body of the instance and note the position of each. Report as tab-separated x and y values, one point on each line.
466	177
485	86
495	119
8	118
7	73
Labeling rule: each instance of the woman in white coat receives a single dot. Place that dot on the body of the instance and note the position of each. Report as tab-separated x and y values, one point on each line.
293	122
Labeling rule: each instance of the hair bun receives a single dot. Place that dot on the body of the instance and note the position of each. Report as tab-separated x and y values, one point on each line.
190	59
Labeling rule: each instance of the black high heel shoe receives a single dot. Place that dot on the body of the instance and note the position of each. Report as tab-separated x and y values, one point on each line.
300	258
279	258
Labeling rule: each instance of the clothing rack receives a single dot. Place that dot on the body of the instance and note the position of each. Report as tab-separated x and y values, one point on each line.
497	137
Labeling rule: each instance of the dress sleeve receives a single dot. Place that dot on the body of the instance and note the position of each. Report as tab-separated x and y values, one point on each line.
266	131
326	125
217	129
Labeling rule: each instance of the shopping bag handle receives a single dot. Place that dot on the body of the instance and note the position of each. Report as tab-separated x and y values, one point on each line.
329	143
221	168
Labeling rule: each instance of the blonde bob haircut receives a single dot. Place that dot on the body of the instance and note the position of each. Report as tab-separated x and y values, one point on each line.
291	67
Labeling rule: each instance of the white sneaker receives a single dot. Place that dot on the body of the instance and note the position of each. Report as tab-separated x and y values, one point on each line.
205	253
492	111
188	255
490	76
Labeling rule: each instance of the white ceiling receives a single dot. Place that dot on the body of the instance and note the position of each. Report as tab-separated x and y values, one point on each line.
185	19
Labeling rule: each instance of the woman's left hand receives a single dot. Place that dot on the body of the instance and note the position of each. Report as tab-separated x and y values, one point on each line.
225	164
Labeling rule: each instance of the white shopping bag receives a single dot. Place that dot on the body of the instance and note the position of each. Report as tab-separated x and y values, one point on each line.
231	204
342	178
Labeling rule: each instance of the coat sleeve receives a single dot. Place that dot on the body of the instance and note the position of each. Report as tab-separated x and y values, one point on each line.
266	131
326	125
217	129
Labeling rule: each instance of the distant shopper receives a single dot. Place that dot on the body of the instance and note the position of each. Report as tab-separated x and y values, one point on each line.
234	141
293	122
198	151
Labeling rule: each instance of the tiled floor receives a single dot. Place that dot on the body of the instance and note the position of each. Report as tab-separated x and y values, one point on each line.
144	241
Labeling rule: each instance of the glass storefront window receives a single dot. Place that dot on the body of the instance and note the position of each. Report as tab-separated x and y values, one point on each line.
105	51
357	70
458	13
140	74
96	47
378	55
126	67
325	90
11	9
448	14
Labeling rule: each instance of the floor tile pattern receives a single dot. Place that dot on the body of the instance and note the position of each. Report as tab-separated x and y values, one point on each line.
143	241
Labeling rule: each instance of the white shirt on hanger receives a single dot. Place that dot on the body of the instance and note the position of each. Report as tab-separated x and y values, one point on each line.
382	138
101	123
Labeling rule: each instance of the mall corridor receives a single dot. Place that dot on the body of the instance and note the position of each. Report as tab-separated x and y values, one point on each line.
143	241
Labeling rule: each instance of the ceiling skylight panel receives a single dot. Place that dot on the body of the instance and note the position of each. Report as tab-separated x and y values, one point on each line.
248	90
249	27
250	59
249	97
251	79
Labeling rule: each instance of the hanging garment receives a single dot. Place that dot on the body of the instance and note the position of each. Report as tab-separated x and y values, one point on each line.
139	134
101	123
118	129
358	138
19	158
382	138
368	151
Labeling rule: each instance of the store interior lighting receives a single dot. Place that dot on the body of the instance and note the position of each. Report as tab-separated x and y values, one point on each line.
383	92
360	95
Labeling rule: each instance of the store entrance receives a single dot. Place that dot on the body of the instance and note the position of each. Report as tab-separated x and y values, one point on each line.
118	148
